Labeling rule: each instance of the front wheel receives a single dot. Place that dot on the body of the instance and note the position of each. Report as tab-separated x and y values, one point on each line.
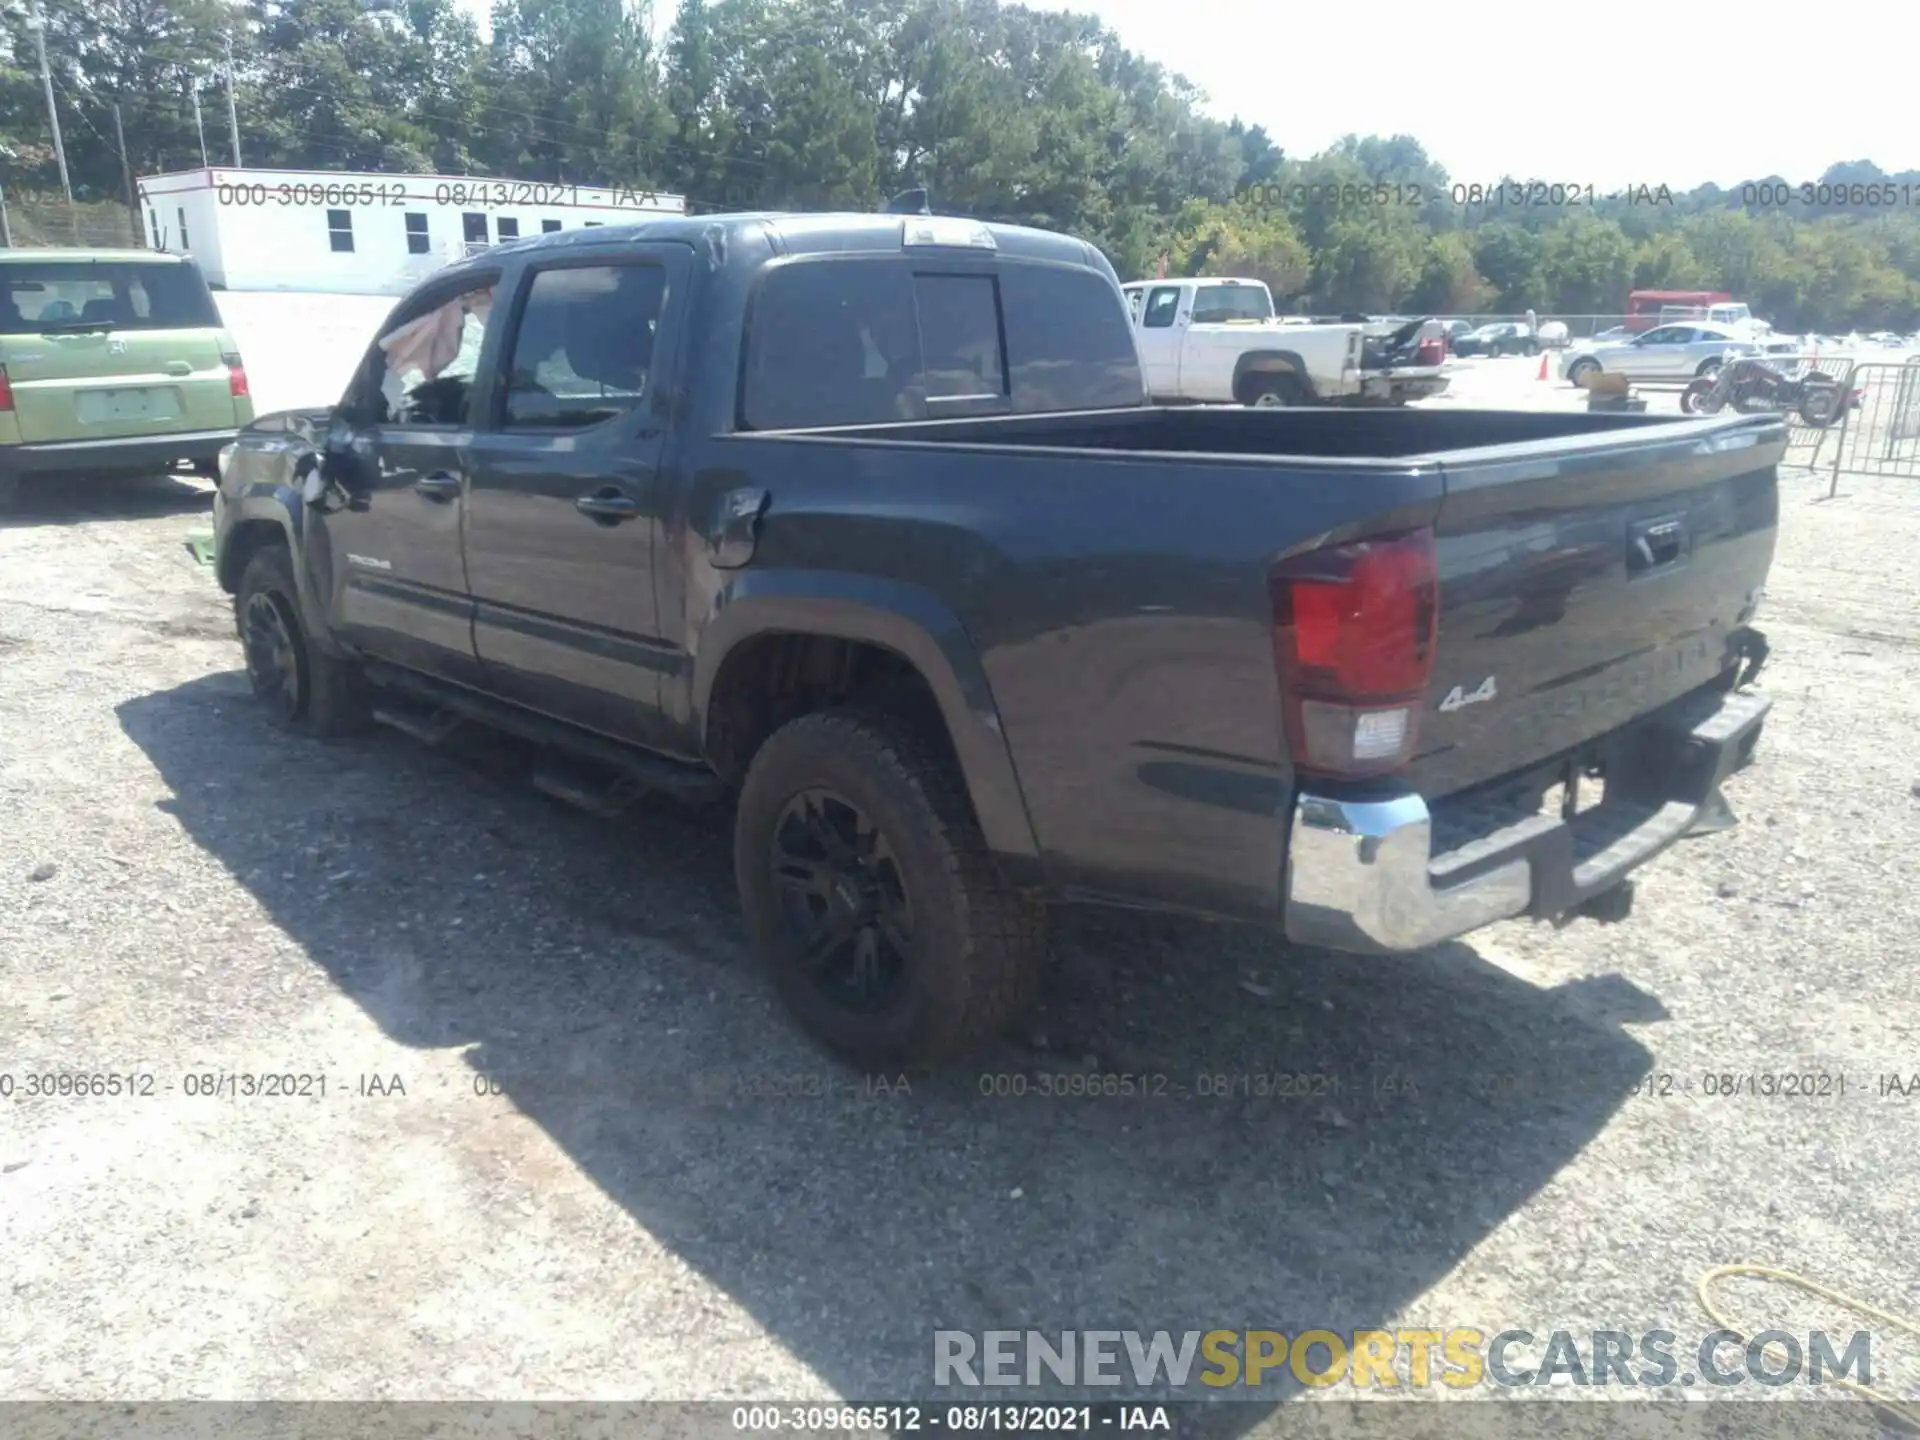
302	688
1693	399
870	893
1585	365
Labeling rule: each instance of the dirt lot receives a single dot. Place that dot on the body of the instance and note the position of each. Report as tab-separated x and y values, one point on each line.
578	1194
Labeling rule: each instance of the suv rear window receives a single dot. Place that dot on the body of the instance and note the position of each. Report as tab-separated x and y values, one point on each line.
859	342
122	295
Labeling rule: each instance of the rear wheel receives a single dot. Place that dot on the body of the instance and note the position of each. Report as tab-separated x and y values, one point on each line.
1275	392
870	893
302	688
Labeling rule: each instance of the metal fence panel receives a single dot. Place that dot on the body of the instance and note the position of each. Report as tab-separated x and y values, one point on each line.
1879	434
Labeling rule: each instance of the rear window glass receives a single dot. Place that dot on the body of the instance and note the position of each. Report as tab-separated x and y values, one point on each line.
123	295
849	342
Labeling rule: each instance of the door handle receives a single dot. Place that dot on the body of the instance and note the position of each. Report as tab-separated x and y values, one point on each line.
178	367
607	506
438	486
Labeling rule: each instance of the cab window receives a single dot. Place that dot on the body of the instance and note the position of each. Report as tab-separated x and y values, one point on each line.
583	349
420	371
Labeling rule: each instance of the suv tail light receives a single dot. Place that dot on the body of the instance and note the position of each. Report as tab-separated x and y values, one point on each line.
6	390
1431	352
236	376
1354	628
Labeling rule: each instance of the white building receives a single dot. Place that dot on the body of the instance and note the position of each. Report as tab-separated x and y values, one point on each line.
328	230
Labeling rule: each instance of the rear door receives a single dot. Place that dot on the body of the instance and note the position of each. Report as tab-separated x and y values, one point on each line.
1585	582
113	349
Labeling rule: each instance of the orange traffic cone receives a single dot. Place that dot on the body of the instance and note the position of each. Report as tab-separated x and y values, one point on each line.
1543	366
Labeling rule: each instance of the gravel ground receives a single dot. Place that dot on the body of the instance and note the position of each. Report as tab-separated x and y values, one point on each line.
539	1170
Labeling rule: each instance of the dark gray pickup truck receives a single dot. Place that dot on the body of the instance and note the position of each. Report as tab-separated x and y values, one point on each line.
865	521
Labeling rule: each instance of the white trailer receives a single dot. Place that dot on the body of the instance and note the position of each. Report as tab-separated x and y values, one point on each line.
361	233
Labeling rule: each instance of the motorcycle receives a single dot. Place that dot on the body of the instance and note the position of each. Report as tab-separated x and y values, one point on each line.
1758	386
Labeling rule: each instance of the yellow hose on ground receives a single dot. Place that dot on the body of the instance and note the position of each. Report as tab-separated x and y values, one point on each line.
1907	1414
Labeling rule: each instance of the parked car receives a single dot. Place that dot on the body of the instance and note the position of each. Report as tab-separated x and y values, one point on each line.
1498	339
112	363
1667	352
1217	340
1456	330
866	524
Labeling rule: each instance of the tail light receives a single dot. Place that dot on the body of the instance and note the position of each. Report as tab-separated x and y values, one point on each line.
6	390
1431	352
1354	628
236	377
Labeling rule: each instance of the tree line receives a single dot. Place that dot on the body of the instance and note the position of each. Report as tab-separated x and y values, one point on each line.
1004	111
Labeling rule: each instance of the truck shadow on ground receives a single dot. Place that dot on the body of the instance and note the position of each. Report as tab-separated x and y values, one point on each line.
73	500
600	972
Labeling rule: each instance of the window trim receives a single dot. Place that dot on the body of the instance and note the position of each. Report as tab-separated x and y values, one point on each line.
494	415
424	234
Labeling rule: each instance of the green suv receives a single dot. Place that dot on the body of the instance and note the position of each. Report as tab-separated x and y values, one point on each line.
112	362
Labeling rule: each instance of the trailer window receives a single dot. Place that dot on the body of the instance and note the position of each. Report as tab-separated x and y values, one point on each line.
416	232
340	229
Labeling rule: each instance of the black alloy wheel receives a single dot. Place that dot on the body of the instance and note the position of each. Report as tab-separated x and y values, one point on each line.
273	658
843	901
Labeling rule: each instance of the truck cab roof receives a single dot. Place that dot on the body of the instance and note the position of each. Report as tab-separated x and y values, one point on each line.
788	233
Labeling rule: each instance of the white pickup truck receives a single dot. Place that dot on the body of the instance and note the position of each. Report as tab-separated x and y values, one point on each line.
1219	341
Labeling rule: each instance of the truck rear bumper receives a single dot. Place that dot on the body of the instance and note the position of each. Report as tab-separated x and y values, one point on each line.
141	452
1388	875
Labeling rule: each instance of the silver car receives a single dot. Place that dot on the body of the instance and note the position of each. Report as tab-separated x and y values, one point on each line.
1669	352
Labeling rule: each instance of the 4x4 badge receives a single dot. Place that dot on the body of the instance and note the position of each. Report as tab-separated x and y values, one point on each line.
1459	699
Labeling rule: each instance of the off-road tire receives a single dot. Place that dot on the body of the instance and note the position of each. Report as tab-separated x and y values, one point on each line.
979	944
332	699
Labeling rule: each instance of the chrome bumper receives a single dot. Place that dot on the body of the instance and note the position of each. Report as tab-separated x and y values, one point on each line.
1362	874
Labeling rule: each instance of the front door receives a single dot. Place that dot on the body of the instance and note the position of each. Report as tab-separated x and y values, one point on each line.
394	544
1660	352
566	504
1160	340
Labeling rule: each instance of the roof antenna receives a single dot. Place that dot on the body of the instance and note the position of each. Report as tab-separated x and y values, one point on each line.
909	202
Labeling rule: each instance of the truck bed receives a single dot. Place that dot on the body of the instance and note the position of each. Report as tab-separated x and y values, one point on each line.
1111	569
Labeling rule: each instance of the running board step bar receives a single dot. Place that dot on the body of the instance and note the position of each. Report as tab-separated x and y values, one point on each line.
597	774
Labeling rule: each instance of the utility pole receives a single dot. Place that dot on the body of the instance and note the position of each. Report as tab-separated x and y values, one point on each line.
37	23
200	127
126	172
6	226
233	115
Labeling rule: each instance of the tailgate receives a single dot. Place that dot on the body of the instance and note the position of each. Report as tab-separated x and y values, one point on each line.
1586	581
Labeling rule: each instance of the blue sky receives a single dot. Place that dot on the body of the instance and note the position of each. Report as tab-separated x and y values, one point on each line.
1610	94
